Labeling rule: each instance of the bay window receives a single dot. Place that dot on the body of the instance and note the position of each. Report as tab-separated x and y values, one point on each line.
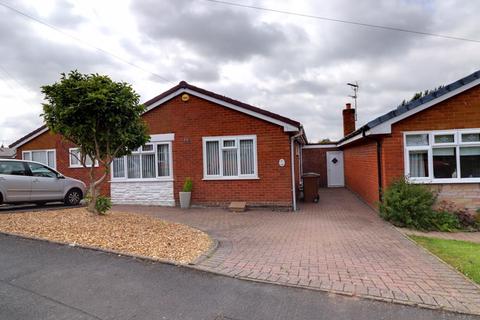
151	161
46	157
233	157
443	156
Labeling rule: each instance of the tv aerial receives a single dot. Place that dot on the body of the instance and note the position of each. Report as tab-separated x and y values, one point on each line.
355	88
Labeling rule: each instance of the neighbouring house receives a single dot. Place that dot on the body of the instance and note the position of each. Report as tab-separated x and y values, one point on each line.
231	150
434	140
7	153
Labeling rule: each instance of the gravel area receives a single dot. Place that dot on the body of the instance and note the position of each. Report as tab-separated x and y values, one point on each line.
122	232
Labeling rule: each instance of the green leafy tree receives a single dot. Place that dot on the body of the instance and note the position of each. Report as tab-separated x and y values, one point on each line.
100	116
420	94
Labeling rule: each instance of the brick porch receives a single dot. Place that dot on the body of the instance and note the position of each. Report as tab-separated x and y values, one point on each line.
338	245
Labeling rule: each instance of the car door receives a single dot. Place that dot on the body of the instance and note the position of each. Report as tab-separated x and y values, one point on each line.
14	181
46	185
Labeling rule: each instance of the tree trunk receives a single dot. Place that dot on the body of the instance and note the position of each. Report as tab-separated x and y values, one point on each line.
93	189
93	198
92	192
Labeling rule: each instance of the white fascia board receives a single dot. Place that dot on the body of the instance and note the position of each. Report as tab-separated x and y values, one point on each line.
21	143
349	140
286	126
319	146
386	127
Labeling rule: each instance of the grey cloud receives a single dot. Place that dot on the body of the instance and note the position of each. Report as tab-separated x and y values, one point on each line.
214	32
64	17
13	128
34	60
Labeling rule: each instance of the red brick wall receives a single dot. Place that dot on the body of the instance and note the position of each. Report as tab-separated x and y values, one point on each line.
361	171
190	122
315	160
48	140
197	118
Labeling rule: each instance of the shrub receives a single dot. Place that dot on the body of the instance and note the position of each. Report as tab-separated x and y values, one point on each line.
103	204
408	205
466	219
188	185
477	218
445	221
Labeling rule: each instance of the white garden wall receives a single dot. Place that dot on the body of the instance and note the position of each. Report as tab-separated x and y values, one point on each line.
159	193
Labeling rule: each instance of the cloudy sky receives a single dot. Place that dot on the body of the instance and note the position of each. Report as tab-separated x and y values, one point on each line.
297	67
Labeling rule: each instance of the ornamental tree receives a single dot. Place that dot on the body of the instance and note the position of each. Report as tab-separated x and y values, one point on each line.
100	116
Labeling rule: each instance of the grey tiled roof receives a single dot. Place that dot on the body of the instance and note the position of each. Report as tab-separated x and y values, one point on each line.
415	103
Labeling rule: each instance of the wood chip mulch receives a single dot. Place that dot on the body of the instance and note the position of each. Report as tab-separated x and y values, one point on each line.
122	232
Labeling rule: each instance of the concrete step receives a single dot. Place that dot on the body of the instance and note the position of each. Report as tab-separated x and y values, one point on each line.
237	206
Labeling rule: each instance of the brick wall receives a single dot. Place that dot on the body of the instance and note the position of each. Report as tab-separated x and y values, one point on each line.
48	140
157	193
462	195
315	160
197	118
361	172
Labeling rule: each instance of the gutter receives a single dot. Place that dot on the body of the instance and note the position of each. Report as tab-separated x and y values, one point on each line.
292	160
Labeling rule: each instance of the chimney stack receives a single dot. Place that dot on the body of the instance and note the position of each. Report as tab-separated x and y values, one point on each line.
348	119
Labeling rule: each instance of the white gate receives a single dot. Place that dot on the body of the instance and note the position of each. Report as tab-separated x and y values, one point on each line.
335	177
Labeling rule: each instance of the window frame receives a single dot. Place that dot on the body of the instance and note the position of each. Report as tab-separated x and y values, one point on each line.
220	140
79	165
140	151
457	144
468	143
46	152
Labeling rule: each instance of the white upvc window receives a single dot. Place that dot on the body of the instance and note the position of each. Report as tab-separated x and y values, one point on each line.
153	161
230	158
47	157
75	156
447	156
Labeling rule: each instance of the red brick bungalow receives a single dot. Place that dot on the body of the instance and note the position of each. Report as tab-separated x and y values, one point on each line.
232	151
434	140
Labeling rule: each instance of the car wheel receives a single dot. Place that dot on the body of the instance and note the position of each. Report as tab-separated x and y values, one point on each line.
73	197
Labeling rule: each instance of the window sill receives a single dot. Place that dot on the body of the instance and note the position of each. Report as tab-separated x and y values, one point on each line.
168	179
229	178
81	167
445	181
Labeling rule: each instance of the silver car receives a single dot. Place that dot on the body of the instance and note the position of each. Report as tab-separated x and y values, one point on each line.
32	182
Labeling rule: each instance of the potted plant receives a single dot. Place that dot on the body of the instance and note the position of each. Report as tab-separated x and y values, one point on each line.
186	194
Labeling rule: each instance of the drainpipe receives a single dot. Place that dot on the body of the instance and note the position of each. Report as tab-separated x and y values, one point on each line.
292	152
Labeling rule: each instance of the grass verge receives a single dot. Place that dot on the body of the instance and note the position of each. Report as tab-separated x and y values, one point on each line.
462	255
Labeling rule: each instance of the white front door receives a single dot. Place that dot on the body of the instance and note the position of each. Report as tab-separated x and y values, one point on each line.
335	176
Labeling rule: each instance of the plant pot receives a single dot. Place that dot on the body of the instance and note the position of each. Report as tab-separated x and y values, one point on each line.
185	199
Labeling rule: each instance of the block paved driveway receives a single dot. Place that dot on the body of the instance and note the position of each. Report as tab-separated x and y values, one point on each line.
338	245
